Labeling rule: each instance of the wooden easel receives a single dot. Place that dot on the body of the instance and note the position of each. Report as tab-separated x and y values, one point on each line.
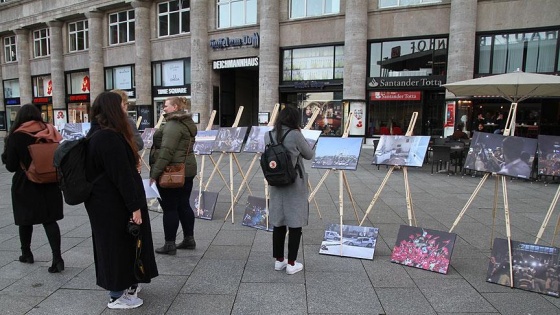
255	158
342	180
200	185
510	129
138	121
547	217
409	206
144	150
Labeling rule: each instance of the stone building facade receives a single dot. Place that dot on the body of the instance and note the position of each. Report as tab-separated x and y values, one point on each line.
379	58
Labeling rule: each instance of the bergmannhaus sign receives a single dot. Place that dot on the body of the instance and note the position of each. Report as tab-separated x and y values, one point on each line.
431	82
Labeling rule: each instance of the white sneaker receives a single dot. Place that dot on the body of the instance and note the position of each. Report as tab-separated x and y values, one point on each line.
297	267
125	302
279	265
134	291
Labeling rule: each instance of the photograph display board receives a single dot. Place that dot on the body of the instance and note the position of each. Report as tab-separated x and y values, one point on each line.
207	204
355	241
423	248
255	214
401	150
74	131
549	155
204	141
505	155
337	153
229	139
148	137
535	267
255	142
311	136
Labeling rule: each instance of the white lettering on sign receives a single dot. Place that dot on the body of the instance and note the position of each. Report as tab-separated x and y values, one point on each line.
235	63
172	91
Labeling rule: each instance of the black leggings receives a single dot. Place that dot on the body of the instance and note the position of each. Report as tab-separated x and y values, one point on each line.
177	208
278	239
53	234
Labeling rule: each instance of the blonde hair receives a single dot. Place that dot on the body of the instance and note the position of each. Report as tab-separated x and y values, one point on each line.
182	102
122	94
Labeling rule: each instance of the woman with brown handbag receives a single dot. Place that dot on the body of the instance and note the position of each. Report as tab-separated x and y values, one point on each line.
173	145
33	203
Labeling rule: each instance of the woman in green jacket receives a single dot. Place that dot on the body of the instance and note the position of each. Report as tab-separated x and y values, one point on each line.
173	144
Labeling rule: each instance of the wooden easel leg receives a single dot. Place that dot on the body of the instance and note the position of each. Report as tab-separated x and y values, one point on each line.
312	194
475	192
508	227
494	208
216	169
555	230
409	208
547	217
350	194
376	196
231	183
314	200
341	202
245	181
241	172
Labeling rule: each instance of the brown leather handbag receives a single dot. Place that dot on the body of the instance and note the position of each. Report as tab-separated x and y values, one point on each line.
173	176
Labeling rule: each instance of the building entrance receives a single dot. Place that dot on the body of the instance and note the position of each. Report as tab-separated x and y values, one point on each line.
238	87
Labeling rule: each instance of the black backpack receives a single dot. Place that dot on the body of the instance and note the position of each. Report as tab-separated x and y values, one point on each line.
276	163
70	163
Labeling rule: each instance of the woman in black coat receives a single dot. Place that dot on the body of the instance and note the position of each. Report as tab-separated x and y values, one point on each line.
117	200
33	203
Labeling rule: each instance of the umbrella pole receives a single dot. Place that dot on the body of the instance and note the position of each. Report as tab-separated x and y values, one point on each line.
510	123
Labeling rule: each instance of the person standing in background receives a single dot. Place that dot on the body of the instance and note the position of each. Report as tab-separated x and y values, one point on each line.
136	134
33	203
289	208
173	144
117	203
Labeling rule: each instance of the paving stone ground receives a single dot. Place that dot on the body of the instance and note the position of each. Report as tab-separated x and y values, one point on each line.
231	271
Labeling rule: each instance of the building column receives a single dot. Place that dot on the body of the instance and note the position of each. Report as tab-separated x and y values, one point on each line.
57	65
143	65
461	50
269	68
200	68
24	69
355	49
96	62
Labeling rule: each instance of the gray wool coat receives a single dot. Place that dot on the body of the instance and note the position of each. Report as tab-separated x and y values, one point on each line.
288	204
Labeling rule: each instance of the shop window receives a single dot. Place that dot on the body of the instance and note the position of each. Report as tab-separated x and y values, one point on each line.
11	88
41	43
78	38
529	52
173	17
42	86
121	27
315	63
403	3
10	49
408	58
232	13
172	73
77	82
121	78
309	8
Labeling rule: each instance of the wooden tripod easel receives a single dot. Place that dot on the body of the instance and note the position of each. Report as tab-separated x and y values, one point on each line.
342	180
547	218
200	179
510	128
245	181
409	206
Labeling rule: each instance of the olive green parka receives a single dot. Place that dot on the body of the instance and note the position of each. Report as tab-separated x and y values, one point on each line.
172	142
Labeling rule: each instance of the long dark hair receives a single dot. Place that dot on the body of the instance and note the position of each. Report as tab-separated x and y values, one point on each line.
289	117
107	112
27	112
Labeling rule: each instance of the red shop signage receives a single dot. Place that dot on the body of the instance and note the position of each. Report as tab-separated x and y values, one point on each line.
79	98
396	96
41	100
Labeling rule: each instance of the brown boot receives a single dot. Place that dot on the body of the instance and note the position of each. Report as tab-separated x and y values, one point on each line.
168	248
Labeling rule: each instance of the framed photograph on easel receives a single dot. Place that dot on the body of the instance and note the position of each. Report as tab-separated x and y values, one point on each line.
337	153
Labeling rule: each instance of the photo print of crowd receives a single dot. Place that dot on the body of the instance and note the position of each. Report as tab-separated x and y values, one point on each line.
535	267
255	142
549	155
230	139
423	248
256	214
505	155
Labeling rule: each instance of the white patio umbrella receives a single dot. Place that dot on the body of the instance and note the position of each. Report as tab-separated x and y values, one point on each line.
514	87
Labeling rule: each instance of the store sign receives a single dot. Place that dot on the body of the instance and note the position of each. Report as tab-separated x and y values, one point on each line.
42	100
235	63
433	81
12	101
171	91
78	98
310	84
244	41
396	96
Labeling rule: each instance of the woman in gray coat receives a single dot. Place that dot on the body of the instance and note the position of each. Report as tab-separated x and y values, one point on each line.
288	204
